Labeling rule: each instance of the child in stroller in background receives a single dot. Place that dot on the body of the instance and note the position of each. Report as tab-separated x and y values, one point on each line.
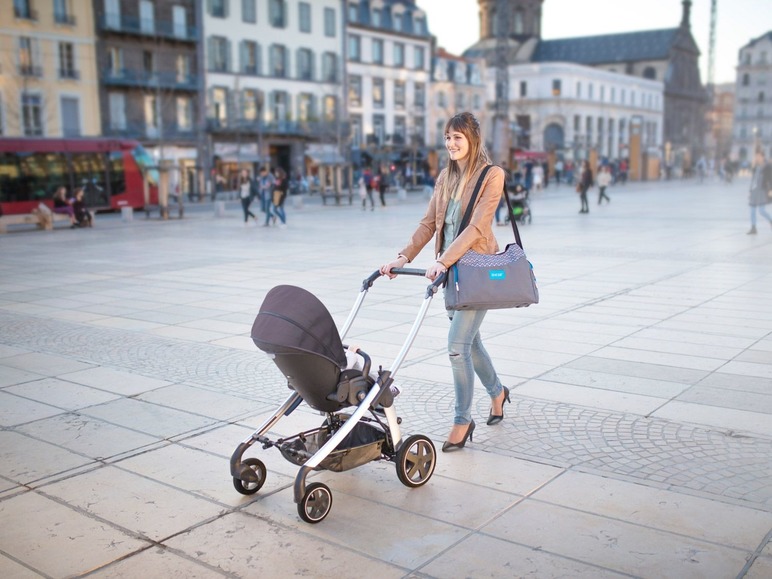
521	209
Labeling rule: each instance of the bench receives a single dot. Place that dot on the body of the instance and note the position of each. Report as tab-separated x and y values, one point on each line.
337	195
39	219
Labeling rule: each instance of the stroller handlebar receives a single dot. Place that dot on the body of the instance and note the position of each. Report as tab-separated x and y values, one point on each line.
430	291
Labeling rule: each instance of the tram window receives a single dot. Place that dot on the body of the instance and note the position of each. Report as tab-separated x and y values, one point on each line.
117	174
37	175
88	171
9	177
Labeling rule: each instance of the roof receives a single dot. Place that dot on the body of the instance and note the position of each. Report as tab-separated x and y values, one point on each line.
624	47
765	36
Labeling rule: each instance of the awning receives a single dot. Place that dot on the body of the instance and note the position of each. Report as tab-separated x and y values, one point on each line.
322	154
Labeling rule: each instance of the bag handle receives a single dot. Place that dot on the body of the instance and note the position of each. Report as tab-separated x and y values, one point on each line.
469	208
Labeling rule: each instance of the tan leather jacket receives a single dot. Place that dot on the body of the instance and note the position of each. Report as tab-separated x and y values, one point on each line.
478	235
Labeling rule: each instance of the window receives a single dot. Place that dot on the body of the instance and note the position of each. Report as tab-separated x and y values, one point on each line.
353	12
356	130
396	21
305	64
280	109
476	102
277	13
378	92
62	13
632	98
375	19
249	11
650	72
377	51
419	59
622	96
112	14
148	62
578	90
117	104
180	21
249	57
304	16
278	61
441	100
115	61
152	117
613	94
523	89
379	128
354	48
67	60
184	114
330	67
556	87
419	95
440	140
419	130
32	114
329	22
460	101
249	104
577	123
761	97
220	106
590	91
306	108
399	94
183	68
399	54
330	108
70	111
23	10
219	54
399	130
746	79
28	57
355	90
420	26
519	27
218	8
146	17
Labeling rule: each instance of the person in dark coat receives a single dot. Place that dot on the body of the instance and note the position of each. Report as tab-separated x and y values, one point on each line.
584	184
761	189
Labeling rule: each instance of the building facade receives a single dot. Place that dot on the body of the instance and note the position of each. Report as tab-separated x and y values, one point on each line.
274	80
458	85
719	120
48	77
388	63
753	99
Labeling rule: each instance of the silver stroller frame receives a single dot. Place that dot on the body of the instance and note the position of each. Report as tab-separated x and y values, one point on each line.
415	456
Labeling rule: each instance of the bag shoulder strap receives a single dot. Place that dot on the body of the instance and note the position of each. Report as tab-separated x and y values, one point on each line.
468	213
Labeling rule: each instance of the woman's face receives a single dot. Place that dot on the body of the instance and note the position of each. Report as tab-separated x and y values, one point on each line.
457	145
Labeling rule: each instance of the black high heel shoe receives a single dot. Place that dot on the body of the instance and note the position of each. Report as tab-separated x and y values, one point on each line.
496	418
447	446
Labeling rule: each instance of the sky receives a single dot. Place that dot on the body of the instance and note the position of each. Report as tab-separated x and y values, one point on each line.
456	23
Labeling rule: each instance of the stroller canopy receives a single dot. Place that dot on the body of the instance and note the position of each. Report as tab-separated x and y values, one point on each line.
292	319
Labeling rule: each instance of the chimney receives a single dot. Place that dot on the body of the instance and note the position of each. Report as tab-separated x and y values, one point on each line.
685	23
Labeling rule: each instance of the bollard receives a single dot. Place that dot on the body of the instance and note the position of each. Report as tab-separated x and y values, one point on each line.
127	214
219	208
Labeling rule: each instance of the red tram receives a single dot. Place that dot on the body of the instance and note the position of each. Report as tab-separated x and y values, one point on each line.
114	173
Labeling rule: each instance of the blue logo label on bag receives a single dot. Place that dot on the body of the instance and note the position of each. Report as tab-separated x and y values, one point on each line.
497	274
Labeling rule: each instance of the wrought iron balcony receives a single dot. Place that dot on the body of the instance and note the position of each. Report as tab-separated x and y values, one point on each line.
139	130
29	70
69	74
25	13
149	80
147	27
312	129
67	19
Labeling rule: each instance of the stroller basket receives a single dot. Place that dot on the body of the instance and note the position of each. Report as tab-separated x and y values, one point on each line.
362	445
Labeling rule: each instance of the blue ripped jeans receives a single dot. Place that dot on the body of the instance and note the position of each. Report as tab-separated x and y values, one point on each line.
467	358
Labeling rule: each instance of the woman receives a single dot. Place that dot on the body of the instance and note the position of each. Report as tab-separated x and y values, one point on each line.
452	193
585	182
246	192
280	187
761	189
82	214
63	205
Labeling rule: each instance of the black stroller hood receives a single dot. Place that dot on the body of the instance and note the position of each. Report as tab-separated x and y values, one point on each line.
292	319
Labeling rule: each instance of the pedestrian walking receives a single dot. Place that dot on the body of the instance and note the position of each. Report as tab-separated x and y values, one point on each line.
382	185
265	191
761	189
279	195
453	191
367	176
583	185
604	180
246	193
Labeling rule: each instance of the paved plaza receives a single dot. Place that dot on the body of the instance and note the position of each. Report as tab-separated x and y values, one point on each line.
638	442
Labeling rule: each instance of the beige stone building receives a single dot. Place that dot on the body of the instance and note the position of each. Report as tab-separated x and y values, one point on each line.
48	75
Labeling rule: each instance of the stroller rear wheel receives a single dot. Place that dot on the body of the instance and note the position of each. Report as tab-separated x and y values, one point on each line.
257	477
416	459
316	503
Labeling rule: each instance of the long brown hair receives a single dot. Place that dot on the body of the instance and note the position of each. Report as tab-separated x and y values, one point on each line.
466	124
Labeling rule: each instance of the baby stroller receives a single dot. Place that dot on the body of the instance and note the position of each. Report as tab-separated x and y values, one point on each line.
521	208
295	329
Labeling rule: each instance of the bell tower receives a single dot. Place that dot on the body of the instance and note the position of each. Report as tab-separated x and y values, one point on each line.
522	17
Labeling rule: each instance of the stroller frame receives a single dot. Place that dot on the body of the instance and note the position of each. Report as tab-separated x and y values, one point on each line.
415	457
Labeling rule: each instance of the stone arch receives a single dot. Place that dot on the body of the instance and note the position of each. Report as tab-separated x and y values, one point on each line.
554	136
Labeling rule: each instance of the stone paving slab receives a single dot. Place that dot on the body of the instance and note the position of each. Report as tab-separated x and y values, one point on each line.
639	413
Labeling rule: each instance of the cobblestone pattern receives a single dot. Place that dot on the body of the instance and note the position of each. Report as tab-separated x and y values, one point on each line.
647	449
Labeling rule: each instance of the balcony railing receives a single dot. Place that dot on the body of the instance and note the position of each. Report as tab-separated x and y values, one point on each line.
66	19
148	27
140	130
29	70
142	79
25	13
286	128
69	74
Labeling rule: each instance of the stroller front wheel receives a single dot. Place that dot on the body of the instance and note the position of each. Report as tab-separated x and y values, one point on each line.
416	459
256	479
316	503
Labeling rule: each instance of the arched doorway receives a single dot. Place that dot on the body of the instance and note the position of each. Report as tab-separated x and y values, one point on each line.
554	137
